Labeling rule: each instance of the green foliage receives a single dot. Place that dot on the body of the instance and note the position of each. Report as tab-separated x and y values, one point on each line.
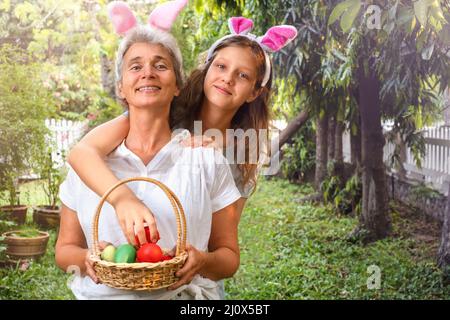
407	126
26	233
330	188
429	12
286	101
5	225
350	14
24	107
105	108
299	156
198	27
421	191
63	38
409	57
70	93
344	198
52	175
302	59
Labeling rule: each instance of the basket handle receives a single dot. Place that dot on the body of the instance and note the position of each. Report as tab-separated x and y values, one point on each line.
176	205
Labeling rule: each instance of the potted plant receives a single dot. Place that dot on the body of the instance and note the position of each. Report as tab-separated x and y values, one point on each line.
47	215
25	244
14	210
24	107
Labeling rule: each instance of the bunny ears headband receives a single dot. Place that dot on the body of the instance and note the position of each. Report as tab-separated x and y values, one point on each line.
162	17
274	40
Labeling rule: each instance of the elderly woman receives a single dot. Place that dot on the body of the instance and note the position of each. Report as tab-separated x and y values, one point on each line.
149	76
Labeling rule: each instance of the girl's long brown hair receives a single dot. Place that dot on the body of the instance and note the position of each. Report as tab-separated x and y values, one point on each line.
253	115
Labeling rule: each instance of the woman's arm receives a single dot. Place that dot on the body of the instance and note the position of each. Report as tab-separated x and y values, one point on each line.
71	248
87	159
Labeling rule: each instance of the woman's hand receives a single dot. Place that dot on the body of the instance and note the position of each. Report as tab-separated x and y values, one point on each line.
194	263
132	215
90	264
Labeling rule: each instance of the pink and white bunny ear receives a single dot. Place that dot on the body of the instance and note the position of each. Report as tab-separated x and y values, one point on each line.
121	17
240	25
276	38
165	15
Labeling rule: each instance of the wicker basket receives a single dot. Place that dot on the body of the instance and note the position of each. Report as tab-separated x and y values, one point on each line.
142	276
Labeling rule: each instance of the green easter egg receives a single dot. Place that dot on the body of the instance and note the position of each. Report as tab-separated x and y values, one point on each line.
125	253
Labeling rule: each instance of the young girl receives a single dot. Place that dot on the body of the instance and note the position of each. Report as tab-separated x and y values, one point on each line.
229	91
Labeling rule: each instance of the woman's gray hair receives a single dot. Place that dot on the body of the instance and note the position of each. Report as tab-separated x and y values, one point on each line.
146	34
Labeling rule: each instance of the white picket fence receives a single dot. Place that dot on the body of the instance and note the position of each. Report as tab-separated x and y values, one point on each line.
64	133
435	170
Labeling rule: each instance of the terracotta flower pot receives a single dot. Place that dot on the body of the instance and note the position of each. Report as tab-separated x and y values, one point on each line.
16	213
46	216
21	248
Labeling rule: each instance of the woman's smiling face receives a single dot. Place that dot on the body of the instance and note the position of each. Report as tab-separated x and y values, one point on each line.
231	78
148	76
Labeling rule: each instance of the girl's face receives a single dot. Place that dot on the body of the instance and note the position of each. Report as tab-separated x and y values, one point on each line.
231	78
148	76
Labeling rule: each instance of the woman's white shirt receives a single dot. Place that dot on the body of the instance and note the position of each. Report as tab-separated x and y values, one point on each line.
199	177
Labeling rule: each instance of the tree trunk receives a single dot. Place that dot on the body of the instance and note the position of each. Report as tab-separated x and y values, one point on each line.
338	152
108	82
293	127
355	146
331	132
106	65
321	150
444	248
286	135
374	222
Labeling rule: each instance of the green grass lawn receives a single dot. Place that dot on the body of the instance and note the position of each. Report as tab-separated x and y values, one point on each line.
289	251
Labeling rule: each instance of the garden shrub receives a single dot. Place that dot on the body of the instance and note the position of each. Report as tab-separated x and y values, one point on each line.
24	106
299	156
